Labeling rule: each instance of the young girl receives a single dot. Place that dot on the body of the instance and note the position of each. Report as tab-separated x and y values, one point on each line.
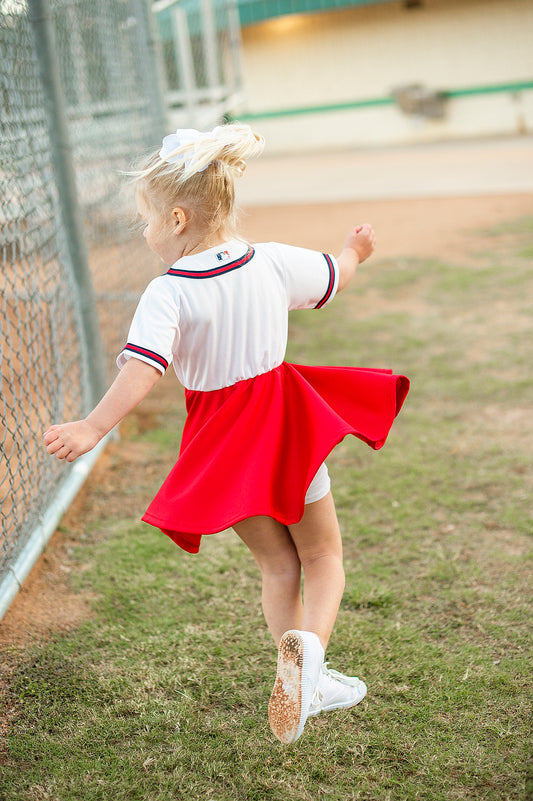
258	429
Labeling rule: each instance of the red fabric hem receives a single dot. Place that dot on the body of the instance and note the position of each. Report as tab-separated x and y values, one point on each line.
189	538
254	448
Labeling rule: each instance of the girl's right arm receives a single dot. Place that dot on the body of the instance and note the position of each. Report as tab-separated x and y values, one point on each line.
358	246
132	384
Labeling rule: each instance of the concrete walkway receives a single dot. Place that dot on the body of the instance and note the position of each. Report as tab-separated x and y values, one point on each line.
449	169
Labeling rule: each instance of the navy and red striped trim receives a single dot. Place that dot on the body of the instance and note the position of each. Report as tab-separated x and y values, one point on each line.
150	354
331	282
226	268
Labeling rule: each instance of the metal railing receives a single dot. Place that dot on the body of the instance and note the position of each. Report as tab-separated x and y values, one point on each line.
202	56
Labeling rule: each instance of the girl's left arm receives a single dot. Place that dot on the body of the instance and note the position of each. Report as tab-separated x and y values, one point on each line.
358	246
70	440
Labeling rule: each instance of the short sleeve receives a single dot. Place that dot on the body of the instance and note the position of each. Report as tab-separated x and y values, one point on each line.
312	277
154	330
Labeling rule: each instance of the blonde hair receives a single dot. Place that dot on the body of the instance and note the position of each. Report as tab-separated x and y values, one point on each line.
203	180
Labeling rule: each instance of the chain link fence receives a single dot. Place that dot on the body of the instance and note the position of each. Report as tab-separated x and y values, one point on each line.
59	228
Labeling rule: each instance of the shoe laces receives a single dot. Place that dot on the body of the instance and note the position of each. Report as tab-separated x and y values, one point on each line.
316	701
351	681
332	675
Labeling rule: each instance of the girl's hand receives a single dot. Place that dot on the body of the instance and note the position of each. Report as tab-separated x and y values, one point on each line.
362	239
132	384
70	440
358	246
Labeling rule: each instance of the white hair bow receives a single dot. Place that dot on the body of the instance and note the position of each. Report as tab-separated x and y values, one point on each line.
181	146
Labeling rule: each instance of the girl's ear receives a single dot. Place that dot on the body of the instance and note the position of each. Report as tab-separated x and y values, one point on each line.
179	218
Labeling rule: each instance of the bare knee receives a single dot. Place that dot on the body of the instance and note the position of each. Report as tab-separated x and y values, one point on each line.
285	566
323	560
271	546
317	536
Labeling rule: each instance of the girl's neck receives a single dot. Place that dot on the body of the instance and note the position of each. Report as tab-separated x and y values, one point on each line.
197	244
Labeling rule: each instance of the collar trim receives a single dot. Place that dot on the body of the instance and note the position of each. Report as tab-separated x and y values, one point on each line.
214	271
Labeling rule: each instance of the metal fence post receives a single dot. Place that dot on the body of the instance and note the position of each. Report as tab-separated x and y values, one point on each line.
40	17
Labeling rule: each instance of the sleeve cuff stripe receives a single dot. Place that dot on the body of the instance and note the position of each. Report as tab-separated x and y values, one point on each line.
331	282
149	354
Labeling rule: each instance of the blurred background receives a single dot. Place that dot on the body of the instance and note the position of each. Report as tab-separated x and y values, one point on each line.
329	74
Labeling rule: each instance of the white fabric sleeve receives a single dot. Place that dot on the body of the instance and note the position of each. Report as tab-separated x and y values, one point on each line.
312	277
154	330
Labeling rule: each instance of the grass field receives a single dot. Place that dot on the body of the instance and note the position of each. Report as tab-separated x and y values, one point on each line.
161	690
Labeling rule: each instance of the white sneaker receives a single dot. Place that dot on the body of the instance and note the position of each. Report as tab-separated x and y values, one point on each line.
336	691
300	658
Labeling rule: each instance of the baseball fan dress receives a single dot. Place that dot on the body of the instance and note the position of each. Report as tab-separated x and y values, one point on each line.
258	428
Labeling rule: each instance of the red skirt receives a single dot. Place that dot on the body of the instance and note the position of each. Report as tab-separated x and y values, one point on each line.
254	448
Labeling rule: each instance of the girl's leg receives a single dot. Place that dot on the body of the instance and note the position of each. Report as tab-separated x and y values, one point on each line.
275	553
314	544
318	543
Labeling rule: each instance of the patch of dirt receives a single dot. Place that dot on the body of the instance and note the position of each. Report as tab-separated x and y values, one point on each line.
450	229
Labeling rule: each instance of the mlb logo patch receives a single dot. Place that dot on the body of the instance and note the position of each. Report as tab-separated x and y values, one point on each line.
223	255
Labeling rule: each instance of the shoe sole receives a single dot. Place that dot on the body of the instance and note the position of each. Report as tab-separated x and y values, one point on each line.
288	706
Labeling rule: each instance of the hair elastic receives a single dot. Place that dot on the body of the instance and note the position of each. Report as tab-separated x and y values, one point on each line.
176	147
